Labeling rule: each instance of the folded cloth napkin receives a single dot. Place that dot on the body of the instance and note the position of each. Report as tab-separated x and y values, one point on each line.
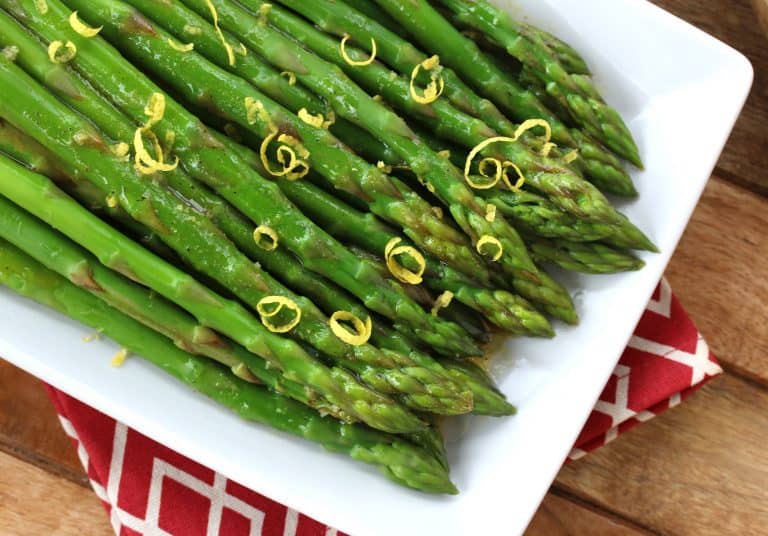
148	488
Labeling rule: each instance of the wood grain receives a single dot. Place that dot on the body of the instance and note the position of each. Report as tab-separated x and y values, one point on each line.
733	21
29	428
720	273
560	516
699	469
33	501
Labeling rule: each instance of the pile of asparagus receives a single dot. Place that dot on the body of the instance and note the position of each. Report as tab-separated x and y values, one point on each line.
312	212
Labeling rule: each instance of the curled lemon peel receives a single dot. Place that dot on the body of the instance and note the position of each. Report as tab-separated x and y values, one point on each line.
145	163
571	156
41	6
518	185
533	123
442	301
264	230
111	201
488	239
436	85
490	212
291	77
82	28
175	45
363	329
317	121
392	251
350	61
280	301
227	46
291	154
64	57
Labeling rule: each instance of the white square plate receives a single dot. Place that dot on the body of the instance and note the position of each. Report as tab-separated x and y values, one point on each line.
681	92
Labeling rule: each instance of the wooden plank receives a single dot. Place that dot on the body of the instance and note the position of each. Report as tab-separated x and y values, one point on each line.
699	469
33	501
29	428
561	516
734	21
720	273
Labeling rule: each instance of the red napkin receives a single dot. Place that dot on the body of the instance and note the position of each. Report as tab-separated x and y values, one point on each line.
148	488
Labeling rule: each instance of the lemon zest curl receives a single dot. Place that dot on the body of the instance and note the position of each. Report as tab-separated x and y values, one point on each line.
436	85
363	329
392	251
281	302
350	61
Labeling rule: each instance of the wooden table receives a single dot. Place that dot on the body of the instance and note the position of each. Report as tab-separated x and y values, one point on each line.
701	468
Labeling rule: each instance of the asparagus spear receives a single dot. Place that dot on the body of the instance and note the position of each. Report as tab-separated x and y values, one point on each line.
503	309
128	88
565	187
401	55
355	105
259	199
394	374
568	56
399	460
585	257
58	127
591	114
538	216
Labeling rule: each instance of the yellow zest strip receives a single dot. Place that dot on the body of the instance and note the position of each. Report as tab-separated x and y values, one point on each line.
438	212
266	314
112	201
317	121
82	28
263	14
490	213
352	62
181	47
290	76
263	230
227	46
487	239
55	46
144	162
520	177
442	301
363	329
294	167
119	358
384	168
120	150
41	6
533	123
435	87
570	157
241	49
392	251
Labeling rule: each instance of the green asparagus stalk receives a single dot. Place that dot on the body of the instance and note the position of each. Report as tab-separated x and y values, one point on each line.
259	199
75	142
547	175
536	215
585	257
354	104
391	374
568	56
399	460
593	115
35	157
129	89
502	308
339	19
